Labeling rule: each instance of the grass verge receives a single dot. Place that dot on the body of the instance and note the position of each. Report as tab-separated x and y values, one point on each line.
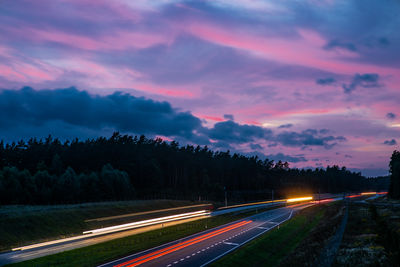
271	248
114	249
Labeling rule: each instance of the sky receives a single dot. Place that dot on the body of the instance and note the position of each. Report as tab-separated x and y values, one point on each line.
314	83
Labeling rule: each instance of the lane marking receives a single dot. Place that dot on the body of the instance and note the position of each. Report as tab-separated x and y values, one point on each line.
159	253
248	240
230	243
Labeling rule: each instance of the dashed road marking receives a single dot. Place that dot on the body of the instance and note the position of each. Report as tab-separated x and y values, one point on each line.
230	243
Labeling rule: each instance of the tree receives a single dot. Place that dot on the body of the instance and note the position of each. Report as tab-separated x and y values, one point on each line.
394	169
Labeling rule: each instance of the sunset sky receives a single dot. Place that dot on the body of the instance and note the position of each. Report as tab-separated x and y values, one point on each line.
315	83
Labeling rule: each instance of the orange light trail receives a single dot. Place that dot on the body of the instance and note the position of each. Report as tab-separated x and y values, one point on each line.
324	200
167	250
354	196
290	200
368	193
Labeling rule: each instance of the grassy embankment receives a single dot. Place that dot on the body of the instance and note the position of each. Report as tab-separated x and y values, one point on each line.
295	243
372	236
22	225
114	249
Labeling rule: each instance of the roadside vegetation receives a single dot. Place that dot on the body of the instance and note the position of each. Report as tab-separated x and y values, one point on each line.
294	243
22	225
372	236
114	249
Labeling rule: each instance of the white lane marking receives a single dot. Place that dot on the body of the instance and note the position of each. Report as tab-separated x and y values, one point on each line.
230	243
169	265
175	262
248	240
193	254
182	259
264	228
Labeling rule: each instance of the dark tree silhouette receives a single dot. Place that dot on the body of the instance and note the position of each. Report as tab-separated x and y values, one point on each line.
47	171
394	169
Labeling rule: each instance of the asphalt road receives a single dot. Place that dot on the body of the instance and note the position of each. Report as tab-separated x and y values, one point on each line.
203	248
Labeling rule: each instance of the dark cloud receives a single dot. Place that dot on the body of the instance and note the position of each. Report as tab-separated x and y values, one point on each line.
348	156
391	116
70	110
288	158
390	142
286	125
309	137
228	117
325	81
230	131
324	131
383	41
368	80
339	44
78	108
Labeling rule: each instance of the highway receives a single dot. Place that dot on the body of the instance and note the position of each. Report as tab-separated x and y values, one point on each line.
263	220
96	236
203	248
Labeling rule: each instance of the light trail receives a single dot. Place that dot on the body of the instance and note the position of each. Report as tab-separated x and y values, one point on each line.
254	203
206	206
291	200
368	193
170	249
148	222
326	200
351	196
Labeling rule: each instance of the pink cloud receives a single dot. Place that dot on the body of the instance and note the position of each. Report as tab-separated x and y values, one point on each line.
305	51
213	118
118	40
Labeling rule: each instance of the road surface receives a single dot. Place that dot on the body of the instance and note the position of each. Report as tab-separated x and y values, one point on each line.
203	248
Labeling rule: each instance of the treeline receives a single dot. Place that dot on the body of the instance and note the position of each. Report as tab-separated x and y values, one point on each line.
394	169
130	167
20	187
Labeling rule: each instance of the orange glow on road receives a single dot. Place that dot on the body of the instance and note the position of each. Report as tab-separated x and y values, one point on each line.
351	196
167	250
324	200
290	200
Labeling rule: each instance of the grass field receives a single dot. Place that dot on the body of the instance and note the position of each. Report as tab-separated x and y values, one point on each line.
107	251
272	247
22	225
